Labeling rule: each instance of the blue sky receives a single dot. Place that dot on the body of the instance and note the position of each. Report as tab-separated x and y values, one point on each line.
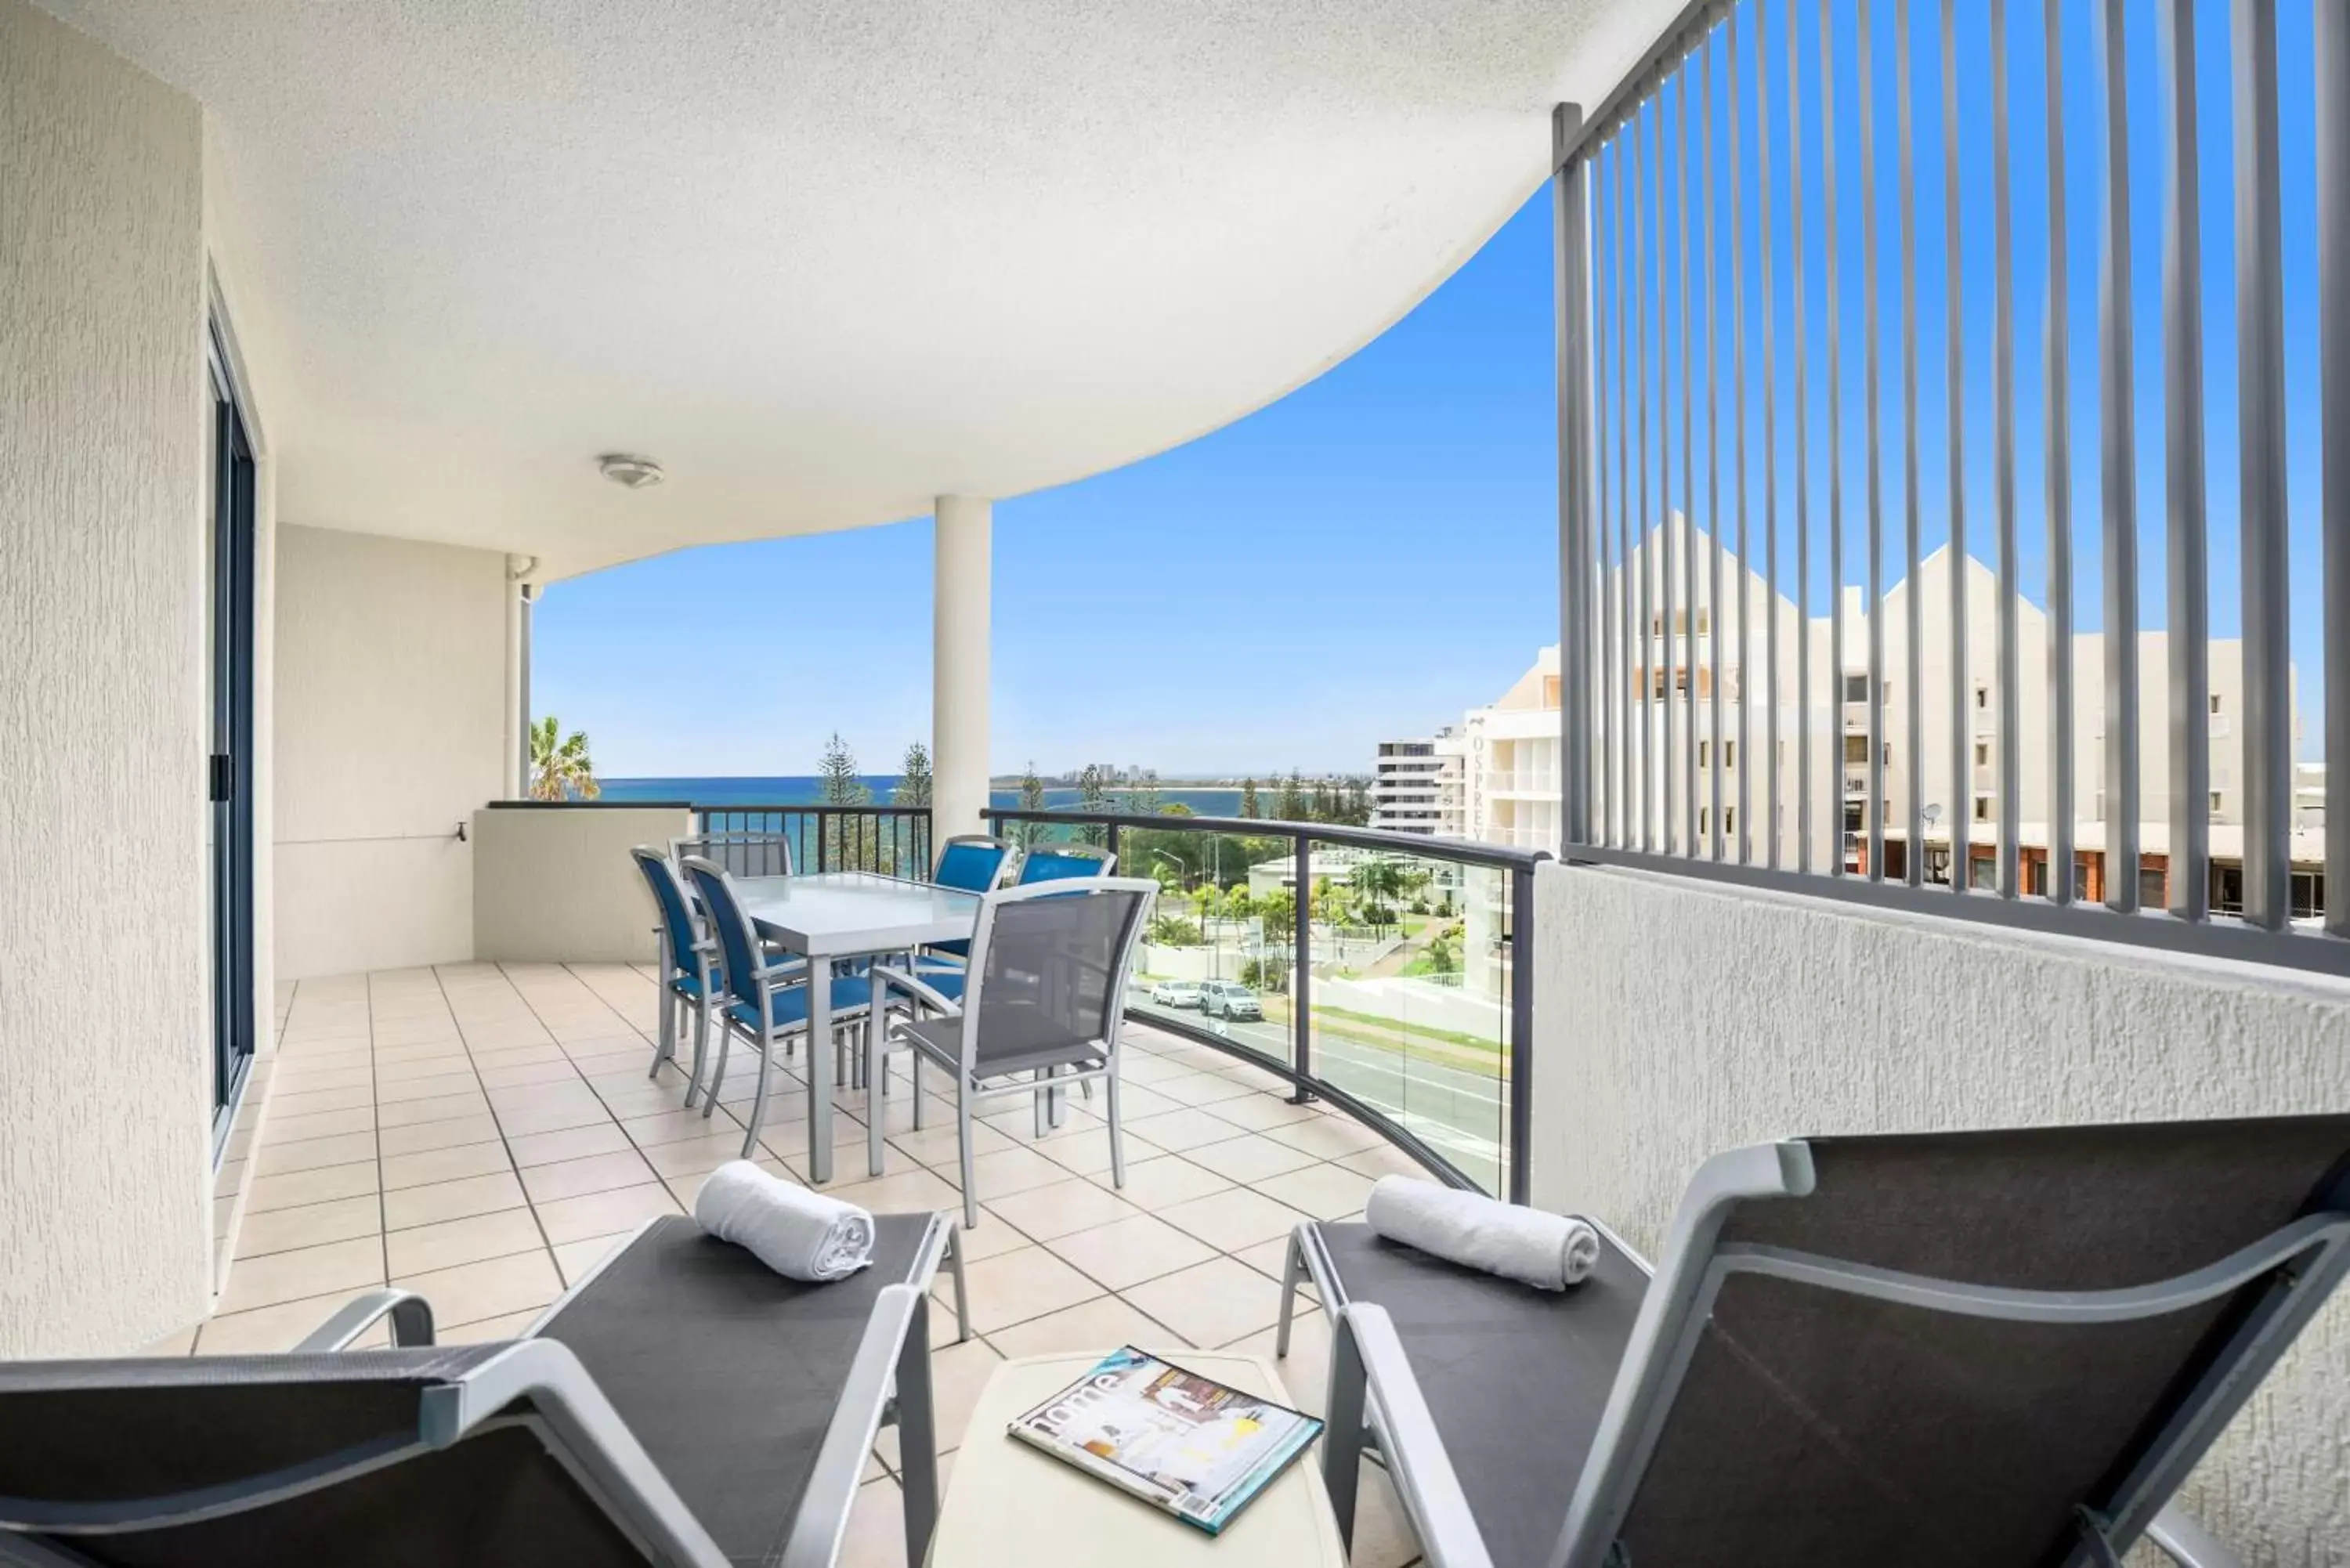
1367	557
1377	551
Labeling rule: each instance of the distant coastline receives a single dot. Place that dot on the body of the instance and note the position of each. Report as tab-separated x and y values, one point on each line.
805	789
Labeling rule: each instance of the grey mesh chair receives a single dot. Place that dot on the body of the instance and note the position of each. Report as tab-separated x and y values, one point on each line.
1962	1350
681	1405
1037	1010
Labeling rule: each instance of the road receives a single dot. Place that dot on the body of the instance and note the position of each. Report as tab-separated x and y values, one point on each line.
1456	1111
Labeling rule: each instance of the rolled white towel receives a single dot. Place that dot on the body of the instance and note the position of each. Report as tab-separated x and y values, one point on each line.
1550	1252
800	1234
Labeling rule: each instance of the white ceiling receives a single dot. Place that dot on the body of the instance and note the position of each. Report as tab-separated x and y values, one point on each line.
825	259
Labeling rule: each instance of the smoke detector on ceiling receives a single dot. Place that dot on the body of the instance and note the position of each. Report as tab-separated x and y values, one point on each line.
635	473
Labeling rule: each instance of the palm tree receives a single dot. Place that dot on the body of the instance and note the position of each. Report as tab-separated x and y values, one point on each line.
560	768
1375	882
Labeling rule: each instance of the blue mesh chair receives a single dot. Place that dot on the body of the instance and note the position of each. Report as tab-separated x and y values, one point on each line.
974	863
764	1002
1057	862
682	964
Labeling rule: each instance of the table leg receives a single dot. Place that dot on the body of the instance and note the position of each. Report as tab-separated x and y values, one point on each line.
819	1047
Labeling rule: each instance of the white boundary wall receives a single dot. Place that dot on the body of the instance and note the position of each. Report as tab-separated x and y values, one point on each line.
1676	1018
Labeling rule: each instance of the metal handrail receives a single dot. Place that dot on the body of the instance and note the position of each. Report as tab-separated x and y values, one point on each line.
1469	852
1299	1070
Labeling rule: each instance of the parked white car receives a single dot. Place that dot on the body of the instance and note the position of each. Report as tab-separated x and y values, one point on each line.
1229	999
1176	993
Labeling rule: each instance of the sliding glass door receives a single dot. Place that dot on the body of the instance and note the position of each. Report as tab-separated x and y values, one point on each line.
229	784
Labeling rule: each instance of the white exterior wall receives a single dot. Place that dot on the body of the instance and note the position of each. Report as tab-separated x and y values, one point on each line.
555	884
1676	1018
392	658
104	1220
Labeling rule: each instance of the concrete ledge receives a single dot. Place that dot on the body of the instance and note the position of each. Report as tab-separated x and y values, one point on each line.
551	886
1676	1018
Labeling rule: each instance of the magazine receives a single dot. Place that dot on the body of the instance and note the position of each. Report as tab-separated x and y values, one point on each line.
1179	1442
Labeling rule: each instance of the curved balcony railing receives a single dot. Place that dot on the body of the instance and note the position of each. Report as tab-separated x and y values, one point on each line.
1397	987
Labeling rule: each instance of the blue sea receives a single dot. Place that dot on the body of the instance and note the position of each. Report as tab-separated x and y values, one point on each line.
804	789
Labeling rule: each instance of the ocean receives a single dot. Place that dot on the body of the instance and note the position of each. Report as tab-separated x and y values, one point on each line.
804	789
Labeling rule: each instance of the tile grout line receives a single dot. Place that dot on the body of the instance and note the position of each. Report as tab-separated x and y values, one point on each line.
505	1143
375	1119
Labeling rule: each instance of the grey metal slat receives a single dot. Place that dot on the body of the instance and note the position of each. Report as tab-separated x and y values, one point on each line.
1803	478
1607	416
2333	58
2187	875
1713	464
1876	807
1573	375
1662	648
1643	801
1914	623
1771	764
2002	435
1738	378
1830	251
2261	426
1626	172
2057	424
1684	676
2117	432
1962	807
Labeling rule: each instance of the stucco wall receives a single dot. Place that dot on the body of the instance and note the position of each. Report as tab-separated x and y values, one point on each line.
557	884
1676	1018
104	1091
390	678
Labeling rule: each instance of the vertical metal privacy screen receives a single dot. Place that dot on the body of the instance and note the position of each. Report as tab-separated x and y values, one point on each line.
1853	599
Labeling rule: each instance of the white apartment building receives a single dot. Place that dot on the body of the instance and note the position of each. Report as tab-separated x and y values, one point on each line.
1416	785
1664	706
1510	777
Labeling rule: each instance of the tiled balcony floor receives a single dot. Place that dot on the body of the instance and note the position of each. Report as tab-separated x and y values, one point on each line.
482	1133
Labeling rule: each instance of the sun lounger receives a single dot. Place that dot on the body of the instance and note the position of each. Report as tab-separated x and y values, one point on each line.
681	1405
1977	1349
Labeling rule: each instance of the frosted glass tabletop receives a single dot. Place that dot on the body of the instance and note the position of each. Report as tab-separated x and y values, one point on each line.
838	913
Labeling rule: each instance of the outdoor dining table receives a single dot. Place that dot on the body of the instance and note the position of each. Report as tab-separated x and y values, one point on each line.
830	915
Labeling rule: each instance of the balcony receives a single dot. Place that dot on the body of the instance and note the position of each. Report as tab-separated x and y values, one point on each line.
484	1133
323	347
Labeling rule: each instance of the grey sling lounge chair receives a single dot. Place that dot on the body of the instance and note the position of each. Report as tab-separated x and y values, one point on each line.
680	1406
1964	1350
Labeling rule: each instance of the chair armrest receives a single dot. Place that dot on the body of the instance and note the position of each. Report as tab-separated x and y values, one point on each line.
410	1315
1366	1356
2188	1543
886	978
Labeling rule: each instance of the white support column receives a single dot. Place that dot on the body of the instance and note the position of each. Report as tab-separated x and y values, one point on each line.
516	750
960	576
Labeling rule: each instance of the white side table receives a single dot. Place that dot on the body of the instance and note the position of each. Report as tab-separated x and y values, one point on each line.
1012	1506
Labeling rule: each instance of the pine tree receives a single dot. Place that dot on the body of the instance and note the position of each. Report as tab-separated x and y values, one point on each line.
1093	794
844	842
838	783
1031	798
1248	797
915	780
1290	805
